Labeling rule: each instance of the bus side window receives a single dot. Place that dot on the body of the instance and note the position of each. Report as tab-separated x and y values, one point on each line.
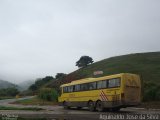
84	87
101	84
77	88
115	82
92	86
111	83
70	89
73	88
104	84
65	89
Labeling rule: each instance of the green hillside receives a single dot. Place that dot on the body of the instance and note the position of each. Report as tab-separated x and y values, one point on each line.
147	65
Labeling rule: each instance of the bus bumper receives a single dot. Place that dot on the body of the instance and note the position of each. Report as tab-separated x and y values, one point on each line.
111	104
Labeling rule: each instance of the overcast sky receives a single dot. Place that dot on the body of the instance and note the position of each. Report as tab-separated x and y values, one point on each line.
45	37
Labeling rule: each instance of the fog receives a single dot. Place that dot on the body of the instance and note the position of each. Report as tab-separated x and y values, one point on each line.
45	37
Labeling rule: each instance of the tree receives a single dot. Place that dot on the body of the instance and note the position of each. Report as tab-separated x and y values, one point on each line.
9	92
84	61
12	91
40	82
60	75
47	78
33	87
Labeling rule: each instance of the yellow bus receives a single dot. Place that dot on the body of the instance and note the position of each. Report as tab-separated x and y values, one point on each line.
109	92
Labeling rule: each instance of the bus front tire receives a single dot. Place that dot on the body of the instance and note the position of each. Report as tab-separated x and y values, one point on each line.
99	106
79	108
65	105
116	109
91	106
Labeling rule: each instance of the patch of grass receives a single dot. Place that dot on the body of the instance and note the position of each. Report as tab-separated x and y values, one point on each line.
150	105
3	98
31	119
16	108
35	101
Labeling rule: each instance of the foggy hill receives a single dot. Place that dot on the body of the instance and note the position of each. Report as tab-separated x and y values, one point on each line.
6	84
25	84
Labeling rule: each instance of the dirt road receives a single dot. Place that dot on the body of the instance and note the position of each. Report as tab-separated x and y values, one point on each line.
58	113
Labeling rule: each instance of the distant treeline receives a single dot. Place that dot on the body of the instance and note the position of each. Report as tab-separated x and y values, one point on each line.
8	92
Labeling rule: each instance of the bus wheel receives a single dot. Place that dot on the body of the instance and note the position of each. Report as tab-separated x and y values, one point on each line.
99	106
91	106
116	109
79	108
65	105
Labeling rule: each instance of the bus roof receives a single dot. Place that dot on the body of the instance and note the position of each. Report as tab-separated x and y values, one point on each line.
86	80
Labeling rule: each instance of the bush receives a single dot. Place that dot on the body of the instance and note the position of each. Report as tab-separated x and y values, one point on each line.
48	94
151	92
157	95
9	92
